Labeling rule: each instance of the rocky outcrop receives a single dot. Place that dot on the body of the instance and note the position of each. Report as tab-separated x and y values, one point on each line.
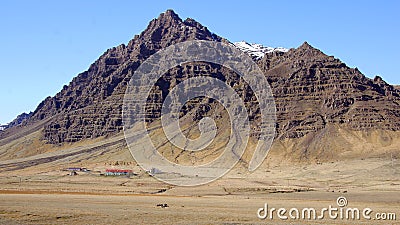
310	88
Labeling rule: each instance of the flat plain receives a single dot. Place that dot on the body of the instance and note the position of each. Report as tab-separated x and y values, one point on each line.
54	197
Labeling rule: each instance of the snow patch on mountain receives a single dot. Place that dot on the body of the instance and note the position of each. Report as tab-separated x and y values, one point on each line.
257	50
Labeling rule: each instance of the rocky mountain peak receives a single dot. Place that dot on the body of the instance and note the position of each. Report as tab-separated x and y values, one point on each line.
170	14
169	29
309	51
306	45
311	89
166	19
90	106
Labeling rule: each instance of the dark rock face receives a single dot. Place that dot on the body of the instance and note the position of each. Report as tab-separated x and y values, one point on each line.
311	89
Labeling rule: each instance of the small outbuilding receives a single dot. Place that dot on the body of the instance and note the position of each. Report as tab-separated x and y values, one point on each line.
118	172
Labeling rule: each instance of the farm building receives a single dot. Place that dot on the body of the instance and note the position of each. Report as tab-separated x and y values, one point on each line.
82	169
118	172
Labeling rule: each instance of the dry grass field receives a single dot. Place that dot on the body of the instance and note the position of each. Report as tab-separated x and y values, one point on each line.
35	188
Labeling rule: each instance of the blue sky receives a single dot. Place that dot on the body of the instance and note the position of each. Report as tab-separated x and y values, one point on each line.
44	44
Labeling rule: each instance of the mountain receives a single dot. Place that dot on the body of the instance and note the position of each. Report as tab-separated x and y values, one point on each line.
317	96
313	90
90	106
